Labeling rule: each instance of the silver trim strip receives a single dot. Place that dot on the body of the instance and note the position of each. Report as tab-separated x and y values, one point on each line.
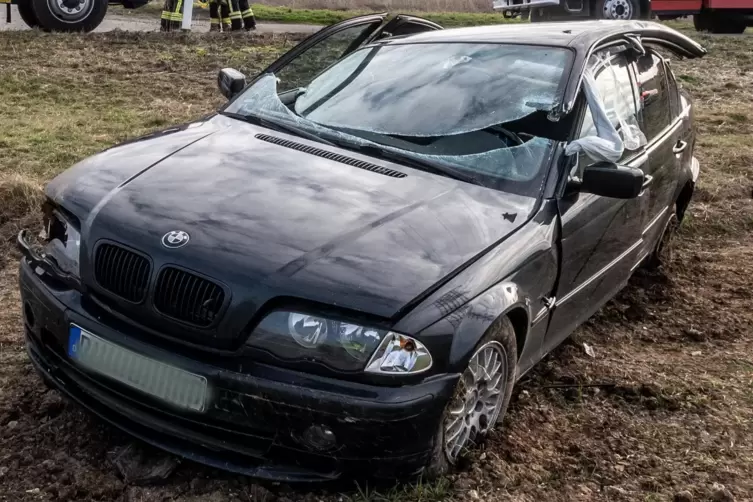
656	141
542	313
638	263
601	272
654	221
695	168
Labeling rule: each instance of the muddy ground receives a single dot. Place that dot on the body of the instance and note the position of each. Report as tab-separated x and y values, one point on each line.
663	411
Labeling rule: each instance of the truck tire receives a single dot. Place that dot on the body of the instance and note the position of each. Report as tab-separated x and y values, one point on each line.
701	21
714	23
69	15
26	11
617	9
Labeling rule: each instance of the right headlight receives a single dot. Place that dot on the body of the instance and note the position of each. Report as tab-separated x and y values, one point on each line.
62	240
343	346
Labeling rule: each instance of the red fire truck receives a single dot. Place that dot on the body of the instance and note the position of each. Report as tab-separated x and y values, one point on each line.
716	16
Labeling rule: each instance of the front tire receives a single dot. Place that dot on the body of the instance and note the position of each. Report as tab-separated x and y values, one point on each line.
480	399
617	9
69	15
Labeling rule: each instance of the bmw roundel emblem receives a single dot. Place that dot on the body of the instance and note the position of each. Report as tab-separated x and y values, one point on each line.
175	239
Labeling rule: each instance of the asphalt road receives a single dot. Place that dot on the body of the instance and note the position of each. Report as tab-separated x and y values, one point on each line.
115	21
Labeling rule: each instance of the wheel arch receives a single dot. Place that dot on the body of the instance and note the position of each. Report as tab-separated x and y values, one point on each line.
503	301
521	324
683	199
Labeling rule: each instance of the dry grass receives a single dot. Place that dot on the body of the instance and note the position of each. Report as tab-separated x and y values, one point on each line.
20	200
665	406
448	16
388	5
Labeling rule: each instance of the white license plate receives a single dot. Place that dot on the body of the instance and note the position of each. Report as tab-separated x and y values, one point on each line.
163	381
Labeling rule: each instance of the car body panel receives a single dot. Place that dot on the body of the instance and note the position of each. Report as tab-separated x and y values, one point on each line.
291	223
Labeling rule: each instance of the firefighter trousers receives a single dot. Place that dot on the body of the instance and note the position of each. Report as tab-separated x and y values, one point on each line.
231	15
172	15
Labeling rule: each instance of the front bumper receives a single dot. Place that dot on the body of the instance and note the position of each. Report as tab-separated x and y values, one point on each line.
255	419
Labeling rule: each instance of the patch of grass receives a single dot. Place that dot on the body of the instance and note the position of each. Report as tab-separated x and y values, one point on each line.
98	91
323	16
280	14
420	491
391	5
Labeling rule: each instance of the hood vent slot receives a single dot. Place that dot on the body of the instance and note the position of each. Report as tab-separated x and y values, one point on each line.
360	164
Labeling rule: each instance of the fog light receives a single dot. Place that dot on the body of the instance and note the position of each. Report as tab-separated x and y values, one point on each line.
320	438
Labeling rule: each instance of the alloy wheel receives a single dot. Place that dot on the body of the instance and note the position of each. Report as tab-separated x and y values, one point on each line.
477	401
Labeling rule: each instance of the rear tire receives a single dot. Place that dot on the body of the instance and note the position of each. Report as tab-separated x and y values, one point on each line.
713	22
469	403
69	15
26	11
617	9
662	252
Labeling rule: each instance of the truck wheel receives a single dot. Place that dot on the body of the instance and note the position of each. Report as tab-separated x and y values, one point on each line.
714	23
69	15
726	26
701	21
617	9
26	11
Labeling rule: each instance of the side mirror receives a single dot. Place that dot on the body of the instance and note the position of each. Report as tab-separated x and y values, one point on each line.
610	180
230	82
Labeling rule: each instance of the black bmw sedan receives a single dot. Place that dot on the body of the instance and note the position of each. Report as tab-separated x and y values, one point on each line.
347	268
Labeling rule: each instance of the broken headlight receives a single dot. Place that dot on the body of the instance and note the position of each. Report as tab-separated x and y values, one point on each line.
61	240
342	346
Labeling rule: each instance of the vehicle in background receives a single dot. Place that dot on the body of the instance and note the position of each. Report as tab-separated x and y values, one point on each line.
65	15
716	16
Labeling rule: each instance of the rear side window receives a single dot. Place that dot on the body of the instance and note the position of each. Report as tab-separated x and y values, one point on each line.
654	95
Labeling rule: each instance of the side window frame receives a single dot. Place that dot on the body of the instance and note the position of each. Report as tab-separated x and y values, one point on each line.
628	155
641	115
675	107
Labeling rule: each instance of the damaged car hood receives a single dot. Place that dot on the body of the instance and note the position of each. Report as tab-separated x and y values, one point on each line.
272	221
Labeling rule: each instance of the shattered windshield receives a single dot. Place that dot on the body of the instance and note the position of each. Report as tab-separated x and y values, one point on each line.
477	109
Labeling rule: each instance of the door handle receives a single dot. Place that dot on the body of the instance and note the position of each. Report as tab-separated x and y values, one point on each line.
647	179
679	146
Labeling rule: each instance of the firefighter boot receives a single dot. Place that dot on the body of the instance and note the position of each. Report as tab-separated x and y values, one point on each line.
225	15
249	21
236	22
214	15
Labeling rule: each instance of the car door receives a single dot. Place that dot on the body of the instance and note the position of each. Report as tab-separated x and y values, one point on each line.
316	53
600	237
660	121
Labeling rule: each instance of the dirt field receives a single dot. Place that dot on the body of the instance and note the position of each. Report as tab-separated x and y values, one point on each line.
663	411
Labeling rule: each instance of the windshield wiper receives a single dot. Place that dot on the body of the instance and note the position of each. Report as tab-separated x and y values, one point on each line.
278	126
410	160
